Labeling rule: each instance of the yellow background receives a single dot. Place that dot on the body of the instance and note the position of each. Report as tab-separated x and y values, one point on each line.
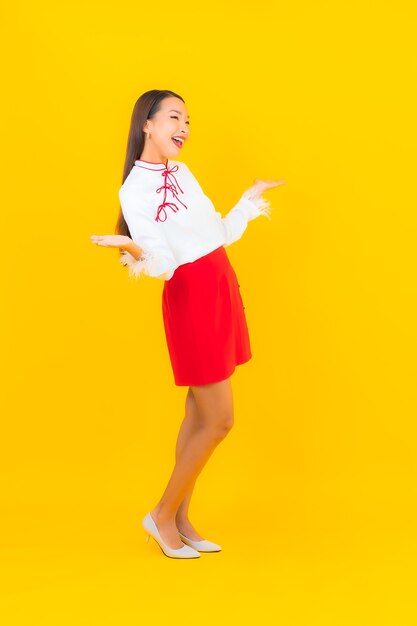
312	495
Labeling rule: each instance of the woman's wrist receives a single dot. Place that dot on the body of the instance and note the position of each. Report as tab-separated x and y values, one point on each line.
133	249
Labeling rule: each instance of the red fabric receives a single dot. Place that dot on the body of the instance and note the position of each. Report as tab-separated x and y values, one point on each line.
204	320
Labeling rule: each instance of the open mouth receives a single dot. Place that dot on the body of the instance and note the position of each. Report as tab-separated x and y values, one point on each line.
178	142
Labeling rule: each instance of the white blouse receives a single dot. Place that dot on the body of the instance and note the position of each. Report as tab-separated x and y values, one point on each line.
173	221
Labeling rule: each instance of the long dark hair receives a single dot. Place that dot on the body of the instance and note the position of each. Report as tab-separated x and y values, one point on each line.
145	108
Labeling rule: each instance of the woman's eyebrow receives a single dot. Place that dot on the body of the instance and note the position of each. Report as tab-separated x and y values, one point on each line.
175	111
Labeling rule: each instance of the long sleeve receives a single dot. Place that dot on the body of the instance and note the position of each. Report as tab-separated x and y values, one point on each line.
157	259
248	208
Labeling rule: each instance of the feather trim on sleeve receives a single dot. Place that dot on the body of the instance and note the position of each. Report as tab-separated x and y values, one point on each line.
259	205
144	266
141	266
135	266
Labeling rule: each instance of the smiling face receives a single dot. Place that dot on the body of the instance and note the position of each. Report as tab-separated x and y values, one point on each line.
169	129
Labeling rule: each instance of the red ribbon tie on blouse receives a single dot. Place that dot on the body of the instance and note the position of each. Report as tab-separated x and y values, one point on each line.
169	185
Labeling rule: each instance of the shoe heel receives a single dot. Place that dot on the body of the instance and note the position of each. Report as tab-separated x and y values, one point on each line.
185	552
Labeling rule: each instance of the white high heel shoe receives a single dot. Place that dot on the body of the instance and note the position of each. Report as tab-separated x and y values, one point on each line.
202	546
185	552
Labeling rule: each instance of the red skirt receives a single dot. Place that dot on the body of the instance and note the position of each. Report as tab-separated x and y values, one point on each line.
204	320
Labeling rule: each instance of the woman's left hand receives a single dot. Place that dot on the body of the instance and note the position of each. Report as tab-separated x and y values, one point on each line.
262	185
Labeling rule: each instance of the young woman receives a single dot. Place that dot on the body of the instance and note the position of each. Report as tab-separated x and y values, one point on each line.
170	230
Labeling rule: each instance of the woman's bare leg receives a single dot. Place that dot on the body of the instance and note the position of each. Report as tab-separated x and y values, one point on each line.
190	424
215	409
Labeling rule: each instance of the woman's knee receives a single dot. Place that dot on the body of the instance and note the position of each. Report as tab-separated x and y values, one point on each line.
226	426
218	425
215	407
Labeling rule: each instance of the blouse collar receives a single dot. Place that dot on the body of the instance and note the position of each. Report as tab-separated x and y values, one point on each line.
152	166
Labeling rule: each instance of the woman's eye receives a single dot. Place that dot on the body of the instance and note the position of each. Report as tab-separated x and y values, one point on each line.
177	118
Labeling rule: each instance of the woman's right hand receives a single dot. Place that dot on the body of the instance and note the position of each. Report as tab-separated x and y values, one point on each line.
111	241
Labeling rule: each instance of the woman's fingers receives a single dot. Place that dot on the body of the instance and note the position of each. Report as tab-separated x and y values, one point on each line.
262	185
100	240
113	241
97	238
266	184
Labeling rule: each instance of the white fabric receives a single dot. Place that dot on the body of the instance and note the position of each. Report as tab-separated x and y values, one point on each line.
173	221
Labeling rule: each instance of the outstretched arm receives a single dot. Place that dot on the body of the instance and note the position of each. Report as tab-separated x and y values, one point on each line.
250	206
156	258
147	251
133	255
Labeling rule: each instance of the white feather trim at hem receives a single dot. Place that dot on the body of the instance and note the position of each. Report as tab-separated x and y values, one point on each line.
261	206
139	267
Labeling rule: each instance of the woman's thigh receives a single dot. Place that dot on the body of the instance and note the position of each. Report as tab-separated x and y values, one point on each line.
214	403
